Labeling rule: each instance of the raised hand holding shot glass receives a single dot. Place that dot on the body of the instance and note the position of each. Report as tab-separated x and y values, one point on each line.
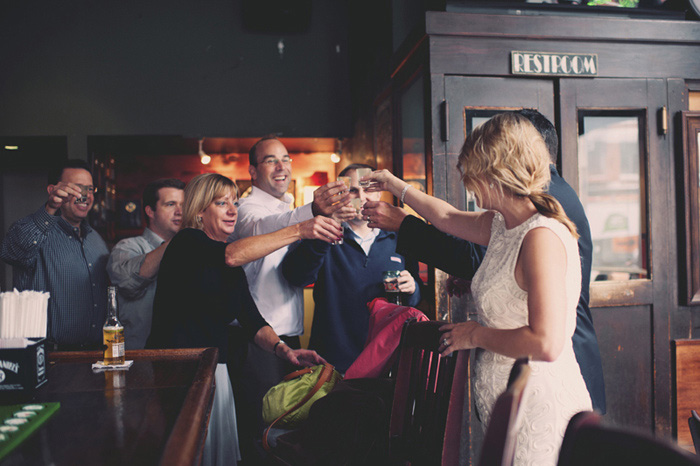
361	173
342	231
83	194
347	180
345	211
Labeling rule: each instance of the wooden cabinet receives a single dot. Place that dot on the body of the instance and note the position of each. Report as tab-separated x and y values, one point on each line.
634	101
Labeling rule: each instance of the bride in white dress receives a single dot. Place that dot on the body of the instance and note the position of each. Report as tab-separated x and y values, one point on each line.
527	286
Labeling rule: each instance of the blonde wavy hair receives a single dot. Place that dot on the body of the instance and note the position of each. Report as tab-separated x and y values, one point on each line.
200	192
508	152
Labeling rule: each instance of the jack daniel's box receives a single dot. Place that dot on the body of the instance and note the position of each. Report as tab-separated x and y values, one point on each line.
22	364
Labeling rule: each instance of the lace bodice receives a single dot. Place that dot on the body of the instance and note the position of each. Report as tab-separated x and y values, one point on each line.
555	390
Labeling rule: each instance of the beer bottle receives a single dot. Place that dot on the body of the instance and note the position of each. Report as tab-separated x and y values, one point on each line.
113	331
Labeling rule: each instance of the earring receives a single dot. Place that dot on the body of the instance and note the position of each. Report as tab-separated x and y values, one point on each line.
491	185
199	219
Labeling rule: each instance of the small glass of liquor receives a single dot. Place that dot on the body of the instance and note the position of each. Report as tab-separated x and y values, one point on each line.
361	173
113	331
342	233
347	180
391	286
356	202
83	195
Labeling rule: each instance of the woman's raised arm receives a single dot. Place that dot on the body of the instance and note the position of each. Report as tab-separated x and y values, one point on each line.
472	226
252	248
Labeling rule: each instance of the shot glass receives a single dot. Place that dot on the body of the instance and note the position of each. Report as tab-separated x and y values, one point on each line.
346	180
391	286
361	173
342	235
83	195
356	202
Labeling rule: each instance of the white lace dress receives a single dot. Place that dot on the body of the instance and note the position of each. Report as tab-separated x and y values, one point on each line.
555	390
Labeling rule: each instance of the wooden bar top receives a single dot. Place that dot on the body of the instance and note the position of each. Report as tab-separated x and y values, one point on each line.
156	412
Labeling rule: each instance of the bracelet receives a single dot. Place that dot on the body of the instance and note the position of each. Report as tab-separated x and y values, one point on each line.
274	348
403	192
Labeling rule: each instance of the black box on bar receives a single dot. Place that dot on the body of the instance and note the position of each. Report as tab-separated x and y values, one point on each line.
22	364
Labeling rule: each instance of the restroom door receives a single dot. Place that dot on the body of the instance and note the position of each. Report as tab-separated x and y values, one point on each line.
469	101
616	155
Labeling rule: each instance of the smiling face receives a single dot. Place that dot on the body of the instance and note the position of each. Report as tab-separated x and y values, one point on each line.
219	217
165	220
273	171
75	213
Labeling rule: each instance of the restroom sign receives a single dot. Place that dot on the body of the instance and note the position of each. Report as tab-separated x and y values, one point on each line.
554	64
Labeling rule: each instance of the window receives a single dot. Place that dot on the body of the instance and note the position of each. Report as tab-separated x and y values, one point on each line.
612	189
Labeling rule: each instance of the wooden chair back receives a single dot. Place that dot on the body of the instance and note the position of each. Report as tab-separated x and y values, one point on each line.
587	441
686	384
427	414
694	424
498	448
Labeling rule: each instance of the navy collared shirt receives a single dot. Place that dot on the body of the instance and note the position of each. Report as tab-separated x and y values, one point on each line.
49	254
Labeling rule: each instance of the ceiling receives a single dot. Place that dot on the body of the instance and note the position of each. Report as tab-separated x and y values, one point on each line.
178	145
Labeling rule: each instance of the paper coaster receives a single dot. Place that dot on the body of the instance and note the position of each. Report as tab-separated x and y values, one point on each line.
100	366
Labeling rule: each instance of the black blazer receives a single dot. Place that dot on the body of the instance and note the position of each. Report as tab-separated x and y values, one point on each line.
461	258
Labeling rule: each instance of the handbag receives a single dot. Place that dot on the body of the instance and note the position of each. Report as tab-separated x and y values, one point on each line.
385	325
288	403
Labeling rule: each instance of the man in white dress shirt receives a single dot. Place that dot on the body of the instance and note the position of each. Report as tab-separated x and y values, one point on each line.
268	208
134	262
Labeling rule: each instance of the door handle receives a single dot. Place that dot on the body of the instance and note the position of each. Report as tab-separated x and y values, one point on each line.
663	121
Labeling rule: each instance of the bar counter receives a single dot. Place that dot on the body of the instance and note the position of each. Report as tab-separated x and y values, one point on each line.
156	412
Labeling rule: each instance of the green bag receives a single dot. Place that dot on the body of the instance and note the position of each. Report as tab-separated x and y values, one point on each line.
288	402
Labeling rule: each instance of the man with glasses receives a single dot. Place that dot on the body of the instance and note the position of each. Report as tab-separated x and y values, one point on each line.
55	250
268	208
134	263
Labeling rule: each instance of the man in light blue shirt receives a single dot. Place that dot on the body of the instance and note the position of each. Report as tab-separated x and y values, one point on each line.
134	263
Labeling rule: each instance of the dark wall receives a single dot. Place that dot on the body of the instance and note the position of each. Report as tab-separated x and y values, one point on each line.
169	67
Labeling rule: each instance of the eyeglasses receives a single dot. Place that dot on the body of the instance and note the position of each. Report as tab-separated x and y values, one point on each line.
90	189
272	161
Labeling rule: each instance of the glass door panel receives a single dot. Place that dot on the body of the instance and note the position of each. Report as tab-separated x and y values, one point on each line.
612	189
472	119
412	159
413	135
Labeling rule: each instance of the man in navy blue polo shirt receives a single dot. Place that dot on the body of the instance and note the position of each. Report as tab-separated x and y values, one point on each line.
347	277
55	250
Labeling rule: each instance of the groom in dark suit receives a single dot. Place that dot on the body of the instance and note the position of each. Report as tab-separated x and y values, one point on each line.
460	258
